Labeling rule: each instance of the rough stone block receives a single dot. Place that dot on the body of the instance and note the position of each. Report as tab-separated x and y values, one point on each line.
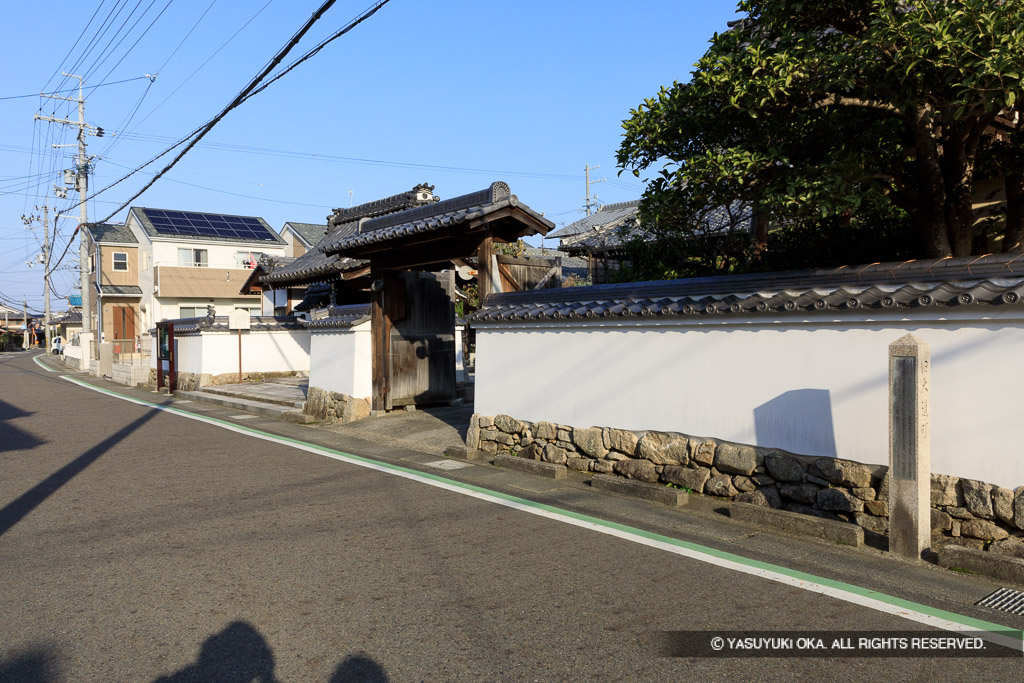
486	421
693	479
763	480
880	525
941	521
801	493
473	433
578	464
640	489
785	467
839	500
720	485
507	424
532	452
979	528
663	449
864	493
842	472
735	459
878	508
590	441
767	496
743	484
636	469
946	490
544	430
959	513
1018	508
604	466
1002	504
620	440
840	532
978	498
703	452
543	469
554	454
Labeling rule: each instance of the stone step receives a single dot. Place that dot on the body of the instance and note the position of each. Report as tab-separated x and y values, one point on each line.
265	408
263	397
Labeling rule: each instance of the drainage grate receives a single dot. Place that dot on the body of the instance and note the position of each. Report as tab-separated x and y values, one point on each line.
1005	599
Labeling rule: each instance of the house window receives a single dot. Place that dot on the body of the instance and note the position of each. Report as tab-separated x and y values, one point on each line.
192	258
191	311
254	311
247	259
120	260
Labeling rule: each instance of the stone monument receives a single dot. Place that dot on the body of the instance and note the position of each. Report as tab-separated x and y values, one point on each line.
909	448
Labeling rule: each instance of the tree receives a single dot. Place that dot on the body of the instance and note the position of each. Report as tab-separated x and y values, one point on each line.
817	109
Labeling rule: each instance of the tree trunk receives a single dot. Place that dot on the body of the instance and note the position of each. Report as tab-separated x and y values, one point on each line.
1013	237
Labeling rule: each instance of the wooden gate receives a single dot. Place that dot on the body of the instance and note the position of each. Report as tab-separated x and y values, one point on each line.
420	338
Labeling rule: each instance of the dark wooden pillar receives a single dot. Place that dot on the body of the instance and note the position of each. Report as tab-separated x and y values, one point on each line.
380	335
484	276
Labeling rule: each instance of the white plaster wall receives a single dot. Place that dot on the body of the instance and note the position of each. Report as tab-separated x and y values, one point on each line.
341	361
262	351
219	255
811	385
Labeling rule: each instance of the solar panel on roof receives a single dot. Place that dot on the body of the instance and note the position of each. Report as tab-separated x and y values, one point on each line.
210	225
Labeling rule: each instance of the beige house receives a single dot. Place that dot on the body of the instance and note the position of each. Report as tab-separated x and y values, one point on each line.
114	281
165	264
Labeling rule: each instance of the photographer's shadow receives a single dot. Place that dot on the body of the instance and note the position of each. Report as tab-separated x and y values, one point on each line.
238	654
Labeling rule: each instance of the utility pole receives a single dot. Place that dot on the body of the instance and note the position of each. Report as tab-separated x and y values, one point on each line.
81	180
24	334
45	259
588	200
46	273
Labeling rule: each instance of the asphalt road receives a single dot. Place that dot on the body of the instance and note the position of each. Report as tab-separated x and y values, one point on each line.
140	545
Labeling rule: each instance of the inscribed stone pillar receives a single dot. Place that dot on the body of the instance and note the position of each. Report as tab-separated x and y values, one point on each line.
909	448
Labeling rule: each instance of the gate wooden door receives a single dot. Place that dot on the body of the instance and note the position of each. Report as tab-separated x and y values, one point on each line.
421	354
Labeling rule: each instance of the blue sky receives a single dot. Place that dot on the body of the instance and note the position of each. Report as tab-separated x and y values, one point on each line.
457	94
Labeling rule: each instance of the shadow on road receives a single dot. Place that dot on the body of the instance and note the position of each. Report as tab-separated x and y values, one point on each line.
32	666
15	439
240	654
237	654
16	510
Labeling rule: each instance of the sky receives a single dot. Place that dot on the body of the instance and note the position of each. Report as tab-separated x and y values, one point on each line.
453	93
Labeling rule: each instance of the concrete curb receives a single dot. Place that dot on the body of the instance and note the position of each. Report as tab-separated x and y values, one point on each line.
981	562
543	469
640	489
794	522
257	407
465	452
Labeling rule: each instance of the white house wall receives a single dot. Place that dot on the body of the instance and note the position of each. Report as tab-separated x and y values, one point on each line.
812	385
342	361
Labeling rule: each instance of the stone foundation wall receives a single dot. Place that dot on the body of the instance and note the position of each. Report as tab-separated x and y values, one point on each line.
330	406
965	512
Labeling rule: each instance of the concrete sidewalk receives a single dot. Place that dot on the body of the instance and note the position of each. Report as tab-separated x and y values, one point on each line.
417	439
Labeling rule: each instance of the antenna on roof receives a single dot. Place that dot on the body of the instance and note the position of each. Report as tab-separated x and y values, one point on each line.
350	197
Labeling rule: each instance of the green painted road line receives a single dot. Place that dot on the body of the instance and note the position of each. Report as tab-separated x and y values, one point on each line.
865	597
41	364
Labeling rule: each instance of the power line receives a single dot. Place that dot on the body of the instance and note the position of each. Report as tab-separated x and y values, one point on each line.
99	85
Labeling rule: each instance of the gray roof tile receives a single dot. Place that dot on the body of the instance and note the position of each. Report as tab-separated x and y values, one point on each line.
111	233
995	280
311	233
605	214
119	290
447	213
340	317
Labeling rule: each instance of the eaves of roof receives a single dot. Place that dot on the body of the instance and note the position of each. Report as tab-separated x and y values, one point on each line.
192	326
996	280
341	317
